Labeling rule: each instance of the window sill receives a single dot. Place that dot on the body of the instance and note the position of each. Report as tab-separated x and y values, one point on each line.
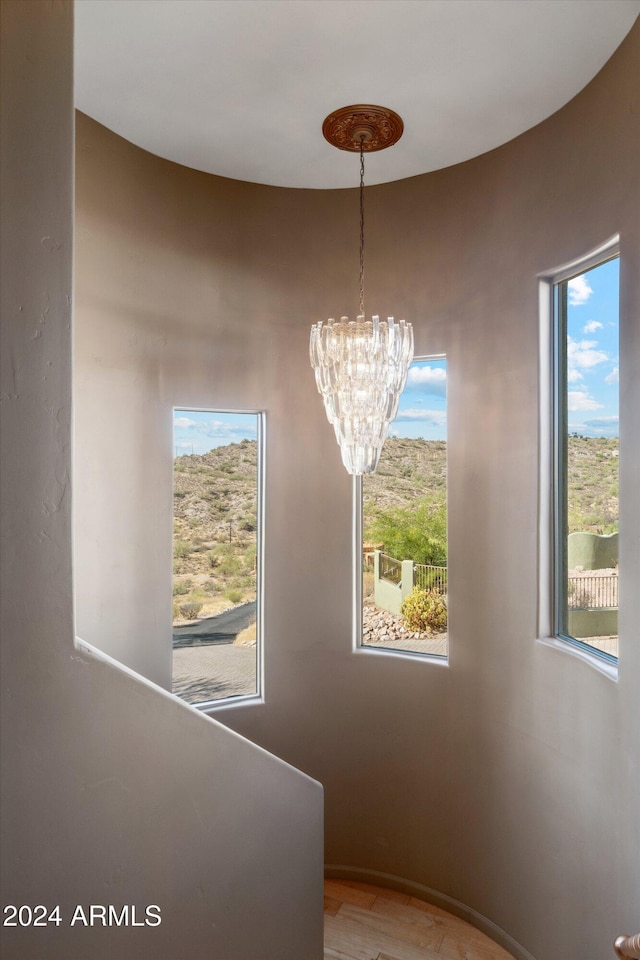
603	666
396	653
212	706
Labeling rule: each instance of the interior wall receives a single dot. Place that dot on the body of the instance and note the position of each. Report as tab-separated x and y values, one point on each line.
113	793
509	779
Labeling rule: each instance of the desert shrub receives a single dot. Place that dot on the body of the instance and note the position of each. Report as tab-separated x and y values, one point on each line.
234	595
246	637
230	565
181	549
198	593
424	610
180	588
190	610
214	560
368	583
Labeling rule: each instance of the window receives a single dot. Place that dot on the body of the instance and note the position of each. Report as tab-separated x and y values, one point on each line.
586	456
216	555
402	535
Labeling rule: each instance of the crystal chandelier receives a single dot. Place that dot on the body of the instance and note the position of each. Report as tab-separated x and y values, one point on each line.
361	365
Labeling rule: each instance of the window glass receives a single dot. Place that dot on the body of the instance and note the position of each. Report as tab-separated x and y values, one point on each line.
587	458
216	551
404	523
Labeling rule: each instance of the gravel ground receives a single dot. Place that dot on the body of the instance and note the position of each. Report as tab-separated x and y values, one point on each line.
202	673
386	630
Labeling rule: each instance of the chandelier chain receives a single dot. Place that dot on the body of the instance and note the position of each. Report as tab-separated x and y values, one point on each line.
361	366
361	227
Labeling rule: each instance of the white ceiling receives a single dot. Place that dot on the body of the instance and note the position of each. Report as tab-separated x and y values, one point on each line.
240	88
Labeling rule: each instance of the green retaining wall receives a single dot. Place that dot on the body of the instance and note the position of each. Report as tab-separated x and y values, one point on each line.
592	551
593	623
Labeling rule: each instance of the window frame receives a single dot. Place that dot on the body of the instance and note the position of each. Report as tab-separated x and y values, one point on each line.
553	435
258	696
356	567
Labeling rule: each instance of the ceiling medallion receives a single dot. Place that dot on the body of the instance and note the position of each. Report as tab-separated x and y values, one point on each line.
375	128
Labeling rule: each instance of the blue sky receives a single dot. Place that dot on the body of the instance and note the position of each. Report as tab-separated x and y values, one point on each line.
422	411
198	431
592	361
593	352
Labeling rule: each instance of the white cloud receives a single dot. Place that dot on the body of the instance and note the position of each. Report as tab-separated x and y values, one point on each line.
437	417
613	377
219	430
592	326
579	291
208	428
581	400
598	427
427	374
573	375
604	422
582	355
433	378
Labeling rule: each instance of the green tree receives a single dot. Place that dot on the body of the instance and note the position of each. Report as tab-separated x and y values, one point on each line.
412	533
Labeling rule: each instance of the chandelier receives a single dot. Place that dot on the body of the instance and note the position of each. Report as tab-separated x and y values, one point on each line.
361	365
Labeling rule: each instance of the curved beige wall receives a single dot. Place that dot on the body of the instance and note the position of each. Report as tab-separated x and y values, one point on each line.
509	780
113	793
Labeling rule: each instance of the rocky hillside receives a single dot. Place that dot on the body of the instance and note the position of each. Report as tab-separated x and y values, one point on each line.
408	470
215	506
214	529
412	469
214	495
593	484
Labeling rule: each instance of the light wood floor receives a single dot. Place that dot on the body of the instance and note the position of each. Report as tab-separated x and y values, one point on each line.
364	922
